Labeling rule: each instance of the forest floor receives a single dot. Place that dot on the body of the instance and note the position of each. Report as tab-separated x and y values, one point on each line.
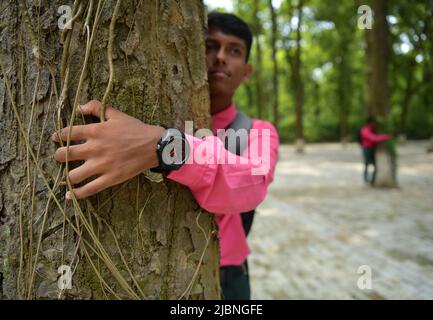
320	223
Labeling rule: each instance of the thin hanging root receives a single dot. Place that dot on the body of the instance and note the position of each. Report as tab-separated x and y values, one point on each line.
89	43
113	234
30	281
101	279
24	135
134	103
32	193
30	31
67	41
207	237
110	61
20	268
70	23
81	220
89	14
101	249
45	215
65	59
107	260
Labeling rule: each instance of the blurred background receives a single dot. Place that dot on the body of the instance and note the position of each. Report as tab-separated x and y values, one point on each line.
322	233
313	51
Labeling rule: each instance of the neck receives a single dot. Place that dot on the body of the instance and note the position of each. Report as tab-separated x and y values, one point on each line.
219	103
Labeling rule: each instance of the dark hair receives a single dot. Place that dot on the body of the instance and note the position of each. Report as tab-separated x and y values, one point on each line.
371	119
230	24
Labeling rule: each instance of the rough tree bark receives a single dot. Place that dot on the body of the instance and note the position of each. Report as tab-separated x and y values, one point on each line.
378	90
144	239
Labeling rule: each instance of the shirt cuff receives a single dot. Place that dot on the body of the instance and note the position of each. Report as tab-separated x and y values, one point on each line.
190	173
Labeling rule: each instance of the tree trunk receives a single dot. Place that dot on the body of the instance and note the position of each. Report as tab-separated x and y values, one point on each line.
344	82
144	239
275	84
258	62
298	84
378	95
430	147
406	101
379	58
386	167
317	102
250	95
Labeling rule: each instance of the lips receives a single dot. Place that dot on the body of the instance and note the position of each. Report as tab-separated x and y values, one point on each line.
219	73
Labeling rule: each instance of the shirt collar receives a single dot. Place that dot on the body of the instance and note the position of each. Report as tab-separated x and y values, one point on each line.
223	118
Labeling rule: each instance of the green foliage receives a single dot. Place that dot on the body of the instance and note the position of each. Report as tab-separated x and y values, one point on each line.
334	67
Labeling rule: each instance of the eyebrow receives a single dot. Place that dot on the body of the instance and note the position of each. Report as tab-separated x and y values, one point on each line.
237	44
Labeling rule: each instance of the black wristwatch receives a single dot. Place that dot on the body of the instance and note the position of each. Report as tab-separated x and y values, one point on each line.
172	150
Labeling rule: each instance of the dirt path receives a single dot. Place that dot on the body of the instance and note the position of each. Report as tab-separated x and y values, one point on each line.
320	223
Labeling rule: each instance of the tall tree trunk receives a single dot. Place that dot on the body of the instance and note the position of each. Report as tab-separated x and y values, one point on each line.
250	95
344	100
427	71
344	80
378	95
427	77
369	67
275	81
258	61
143	239
379	54
430	146
298	83
406	101
317	103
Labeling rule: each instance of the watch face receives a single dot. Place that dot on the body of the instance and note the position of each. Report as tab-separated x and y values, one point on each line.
175	149
170	134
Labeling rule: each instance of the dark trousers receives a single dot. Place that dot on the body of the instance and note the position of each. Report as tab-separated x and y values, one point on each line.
369	158
235	282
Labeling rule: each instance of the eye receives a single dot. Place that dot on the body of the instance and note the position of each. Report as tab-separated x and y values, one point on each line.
236	52
210	46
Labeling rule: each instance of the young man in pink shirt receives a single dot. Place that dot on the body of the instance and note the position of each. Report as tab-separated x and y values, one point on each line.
369	140
219	186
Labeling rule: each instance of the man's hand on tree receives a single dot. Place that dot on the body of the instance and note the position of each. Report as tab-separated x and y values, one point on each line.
114	151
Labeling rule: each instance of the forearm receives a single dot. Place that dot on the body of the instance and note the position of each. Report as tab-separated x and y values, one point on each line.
225	183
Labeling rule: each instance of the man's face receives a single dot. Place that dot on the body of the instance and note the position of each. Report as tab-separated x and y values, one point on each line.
225	57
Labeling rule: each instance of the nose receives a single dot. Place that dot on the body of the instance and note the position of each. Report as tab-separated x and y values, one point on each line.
221	55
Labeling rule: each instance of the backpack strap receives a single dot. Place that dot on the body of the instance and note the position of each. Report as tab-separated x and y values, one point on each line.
241	121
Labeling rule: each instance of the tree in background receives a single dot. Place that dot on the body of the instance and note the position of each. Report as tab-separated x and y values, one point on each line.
294	59
335	95
258	69
275	73
413	24
341	51
378	90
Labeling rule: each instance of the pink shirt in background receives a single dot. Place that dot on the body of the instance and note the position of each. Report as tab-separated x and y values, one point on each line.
370	139
229	189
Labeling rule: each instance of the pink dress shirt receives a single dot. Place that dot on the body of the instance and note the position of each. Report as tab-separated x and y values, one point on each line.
229	189
370	139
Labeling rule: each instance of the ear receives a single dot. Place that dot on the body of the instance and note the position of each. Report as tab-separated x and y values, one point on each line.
247	72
